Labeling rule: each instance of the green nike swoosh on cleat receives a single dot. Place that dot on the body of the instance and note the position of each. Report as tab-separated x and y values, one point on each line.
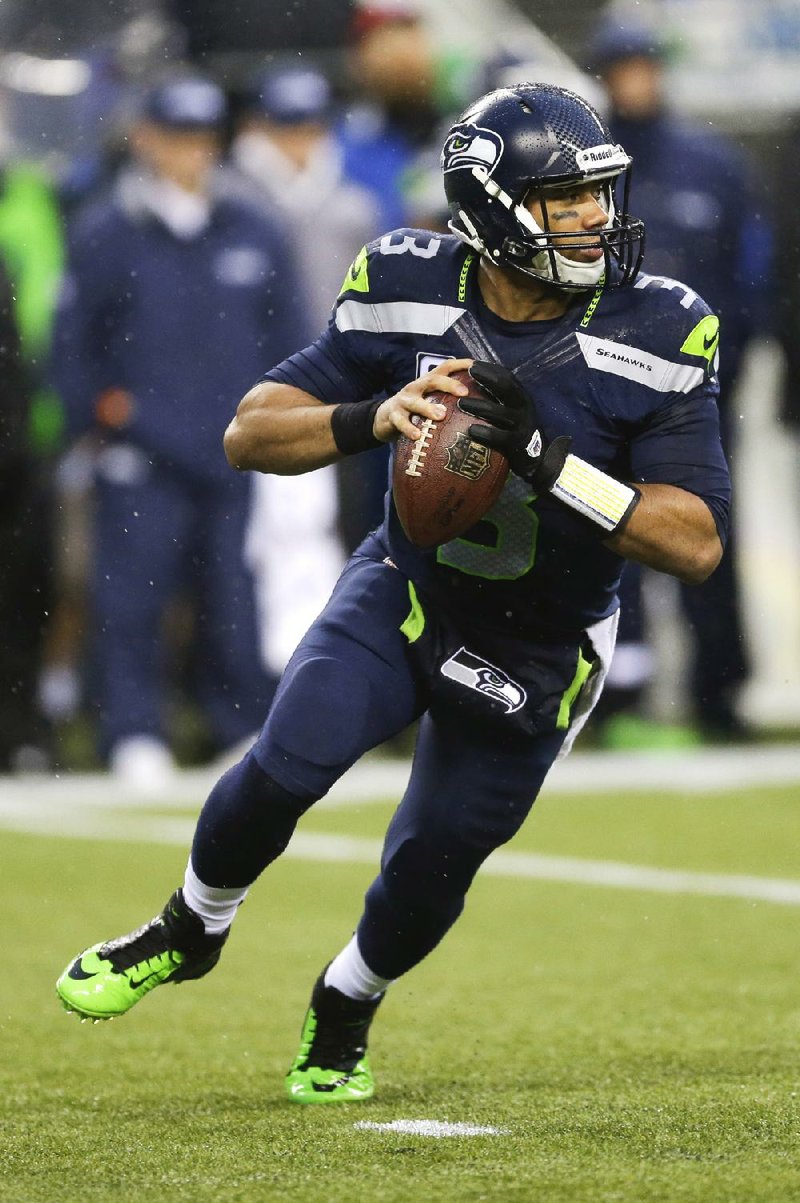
107	979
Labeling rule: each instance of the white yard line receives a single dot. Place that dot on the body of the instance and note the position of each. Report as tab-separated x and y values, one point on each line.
430	1127
94	823
702	770
307	845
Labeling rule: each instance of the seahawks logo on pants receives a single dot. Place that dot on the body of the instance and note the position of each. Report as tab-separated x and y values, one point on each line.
480	675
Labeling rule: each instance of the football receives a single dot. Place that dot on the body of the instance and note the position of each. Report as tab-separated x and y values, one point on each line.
444	482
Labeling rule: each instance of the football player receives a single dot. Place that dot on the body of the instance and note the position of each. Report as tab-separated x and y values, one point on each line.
601	385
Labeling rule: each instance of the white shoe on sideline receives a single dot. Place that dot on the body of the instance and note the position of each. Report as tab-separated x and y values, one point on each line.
144	763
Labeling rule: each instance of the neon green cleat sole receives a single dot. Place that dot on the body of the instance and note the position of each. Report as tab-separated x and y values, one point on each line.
314	1085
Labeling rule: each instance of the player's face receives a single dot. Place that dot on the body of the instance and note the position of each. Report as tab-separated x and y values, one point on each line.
575	209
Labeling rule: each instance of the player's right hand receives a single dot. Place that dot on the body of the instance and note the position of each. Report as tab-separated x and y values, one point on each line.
393	416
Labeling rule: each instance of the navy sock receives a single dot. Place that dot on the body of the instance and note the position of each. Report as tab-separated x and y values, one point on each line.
246	823
412	904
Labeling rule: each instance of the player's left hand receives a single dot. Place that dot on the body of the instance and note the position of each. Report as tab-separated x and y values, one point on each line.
515	428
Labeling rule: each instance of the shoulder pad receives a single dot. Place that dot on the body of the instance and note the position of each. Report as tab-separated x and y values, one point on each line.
679	320
403	262
670	296
658	333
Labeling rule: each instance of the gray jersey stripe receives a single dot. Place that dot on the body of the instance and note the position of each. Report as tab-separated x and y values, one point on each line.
396	317
619	359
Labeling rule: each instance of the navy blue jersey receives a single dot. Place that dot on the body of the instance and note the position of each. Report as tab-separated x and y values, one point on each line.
629	373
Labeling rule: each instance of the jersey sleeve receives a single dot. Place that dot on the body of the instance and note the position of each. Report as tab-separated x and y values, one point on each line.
343	364
680	445
677	440
329	371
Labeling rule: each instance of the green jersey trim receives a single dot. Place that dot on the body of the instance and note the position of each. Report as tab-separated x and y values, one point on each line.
572	691
704	339
357	275
414	624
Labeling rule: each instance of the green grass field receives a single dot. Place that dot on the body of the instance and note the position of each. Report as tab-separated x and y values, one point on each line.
632	1045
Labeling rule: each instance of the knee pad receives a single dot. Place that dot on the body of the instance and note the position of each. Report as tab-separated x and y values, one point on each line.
319	715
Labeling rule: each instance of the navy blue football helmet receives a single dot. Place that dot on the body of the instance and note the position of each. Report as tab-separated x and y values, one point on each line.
525	140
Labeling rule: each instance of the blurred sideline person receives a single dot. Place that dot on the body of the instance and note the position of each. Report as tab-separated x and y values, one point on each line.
286	151
786	183
497	641
32	251
177	295
23	742
396	68
707	228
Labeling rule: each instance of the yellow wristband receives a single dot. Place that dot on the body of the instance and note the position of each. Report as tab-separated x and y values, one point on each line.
599	497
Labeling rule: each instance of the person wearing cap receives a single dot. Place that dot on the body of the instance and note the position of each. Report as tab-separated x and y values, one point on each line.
177	292
291	163
707	226
285	148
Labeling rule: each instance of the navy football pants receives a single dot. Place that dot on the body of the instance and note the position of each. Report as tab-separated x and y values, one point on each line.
352	683
158	536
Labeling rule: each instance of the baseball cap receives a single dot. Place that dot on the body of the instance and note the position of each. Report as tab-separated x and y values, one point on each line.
616	39
188	102
290	95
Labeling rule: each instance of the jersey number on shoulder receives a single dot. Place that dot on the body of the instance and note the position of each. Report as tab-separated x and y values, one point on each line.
688	297
425	248
513	550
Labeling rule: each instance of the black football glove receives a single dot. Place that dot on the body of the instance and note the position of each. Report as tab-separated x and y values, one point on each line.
514	427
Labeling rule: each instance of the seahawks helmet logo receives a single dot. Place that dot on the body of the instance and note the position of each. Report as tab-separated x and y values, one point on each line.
470	670
471	146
